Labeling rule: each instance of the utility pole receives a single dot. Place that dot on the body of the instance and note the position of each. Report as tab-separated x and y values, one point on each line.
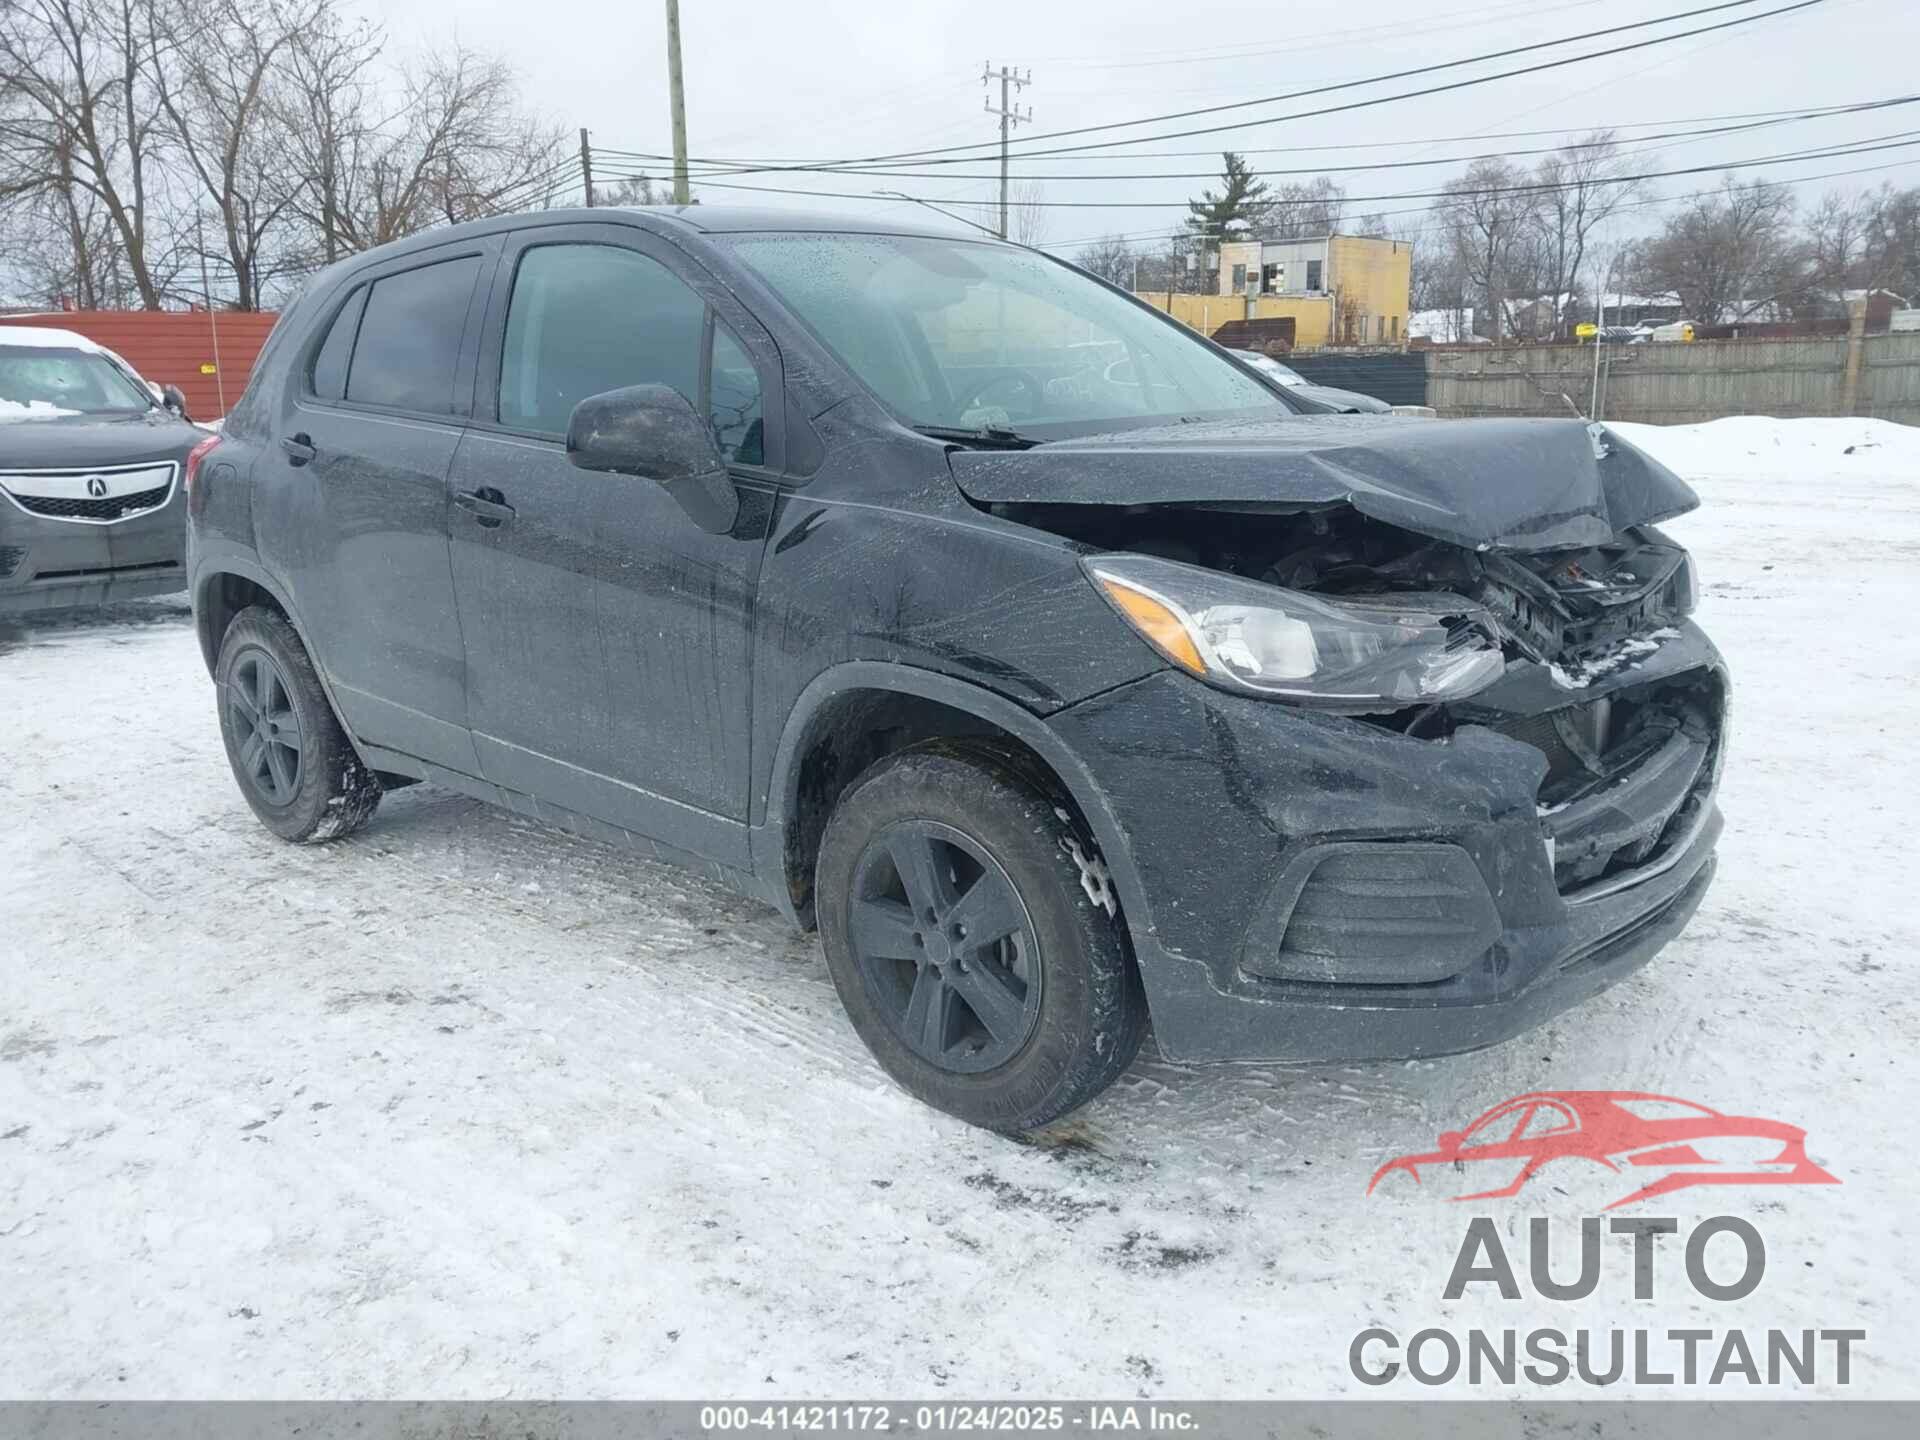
1011	82
1600	333
586	166
213	319
679	94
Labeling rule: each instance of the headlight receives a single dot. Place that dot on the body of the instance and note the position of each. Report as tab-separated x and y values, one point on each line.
1356	652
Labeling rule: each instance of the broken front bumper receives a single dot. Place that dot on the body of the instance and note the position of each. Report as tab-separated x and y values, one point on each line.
1309	887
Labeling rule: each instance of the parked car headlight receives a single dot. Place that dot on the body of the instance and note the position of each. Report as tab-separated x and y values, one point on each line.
1353	652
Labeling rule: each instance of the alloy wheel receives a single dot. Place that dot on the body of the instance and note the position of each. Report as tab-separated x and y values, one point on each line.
266	727
945	946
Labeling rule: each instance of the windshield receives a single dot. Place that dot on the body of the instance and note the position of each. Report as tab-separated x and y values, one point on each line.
36	382
956	334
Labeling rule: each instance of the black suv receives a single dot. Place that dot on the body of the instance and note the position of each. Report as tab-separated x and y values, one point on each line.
932	591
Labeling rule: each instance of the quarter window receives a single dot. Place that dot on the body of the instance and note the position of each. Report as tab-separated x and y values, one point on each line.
733	401
330	365
409	338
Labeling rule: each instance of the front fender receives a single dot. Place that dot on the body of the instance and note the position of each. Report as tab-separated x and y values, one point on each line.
778	807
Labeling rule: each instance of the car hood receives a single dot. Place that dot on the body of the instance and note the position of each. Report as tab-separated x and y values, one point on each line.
1485	484
87	442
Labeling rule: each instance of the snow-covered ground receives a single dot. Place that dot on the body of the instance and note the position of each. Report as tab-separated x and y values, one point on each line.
465	1107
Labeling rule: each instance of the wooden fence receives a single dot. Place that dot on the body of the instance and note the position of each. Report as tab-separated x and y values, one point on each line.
1675	384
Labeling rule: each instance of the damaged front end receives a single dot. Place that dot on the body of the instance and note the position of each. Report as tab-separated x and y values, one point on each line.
1424	637
1488	789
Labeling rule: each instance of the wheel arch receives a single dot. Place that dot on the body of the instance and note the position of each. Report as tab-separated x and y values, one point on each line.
858	712
221	592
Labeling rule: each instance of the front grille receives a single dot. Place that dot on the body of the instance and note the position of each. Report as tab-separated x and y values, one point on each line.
1627	774
112	507
10	558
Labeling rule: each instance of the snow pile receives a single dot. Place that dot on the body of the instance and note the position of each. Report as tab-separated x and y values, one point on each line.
1758	448
1443	327
12	411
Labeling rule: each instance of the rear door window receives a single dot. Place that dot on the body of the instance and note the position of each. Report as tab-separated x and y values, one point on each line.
409	338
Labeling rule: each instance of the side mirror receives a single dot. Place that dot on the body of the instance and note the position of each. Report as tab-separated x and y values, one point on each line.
175	400
652	432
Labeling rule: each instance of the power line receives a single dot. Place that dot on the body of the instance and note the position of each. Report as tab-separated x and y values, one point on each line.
1782	118
1894	141
927	156
1255	49
827	165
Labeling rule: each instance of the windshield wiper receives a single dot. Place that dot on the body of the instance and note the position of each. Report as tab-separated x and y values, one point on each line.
991	437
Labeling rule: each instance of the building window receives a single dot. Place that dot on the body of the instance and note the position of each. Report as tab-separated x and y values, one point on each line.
1239	278
1313	274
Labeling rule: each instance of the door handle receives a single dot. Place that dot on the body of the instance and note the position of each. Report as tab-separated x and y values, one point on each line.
486	504
299	448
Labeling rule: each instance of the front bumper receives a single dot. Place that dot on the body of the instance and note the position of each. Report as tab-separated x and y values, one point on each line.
47	563
1306	887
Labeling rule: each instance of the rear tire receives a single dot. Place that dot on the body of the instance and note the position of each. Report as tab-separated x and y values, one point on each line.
292	760
961	933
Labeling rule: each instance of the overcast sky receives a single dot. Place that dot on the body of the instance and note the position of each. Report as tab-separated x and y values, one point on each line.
831	79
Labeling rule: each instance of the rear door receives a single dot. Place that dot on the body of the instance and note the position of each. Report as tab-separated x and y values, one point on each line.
355	512
608	638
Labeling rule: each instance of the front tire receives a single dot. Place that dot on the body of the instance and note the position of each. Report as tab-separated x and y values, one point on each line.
982	968
294	763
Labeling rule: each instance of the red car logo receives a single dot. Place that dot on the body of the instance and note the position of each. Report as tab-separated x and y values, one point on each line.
1627	1132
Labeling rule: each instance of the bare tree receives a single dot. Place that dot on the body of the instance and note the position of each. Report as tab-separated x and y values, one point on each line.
1302	210
1582	188
326	109
632	190
1893	245
229	131
1839	235
1727	253
84	112
62	248
1111	258
1026	212
1487	214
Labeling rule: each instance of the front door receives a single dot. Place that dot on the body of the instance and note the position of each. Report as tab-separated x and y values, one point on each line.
608	638
352	507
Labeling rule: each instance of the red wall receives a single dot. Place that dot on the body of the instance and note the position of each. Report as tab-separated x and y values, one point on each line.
169	347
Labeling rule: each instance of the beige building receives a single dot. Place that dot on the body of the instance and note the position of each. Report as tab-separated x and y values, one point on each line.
1338	290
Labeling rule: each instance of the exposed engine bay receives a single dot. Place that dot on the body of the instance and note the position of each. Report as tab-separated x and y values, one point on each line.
1567	607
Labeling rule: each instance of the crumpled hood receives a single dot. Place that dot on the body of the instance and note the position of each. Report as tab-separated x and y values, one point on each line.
1485	484
83	442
